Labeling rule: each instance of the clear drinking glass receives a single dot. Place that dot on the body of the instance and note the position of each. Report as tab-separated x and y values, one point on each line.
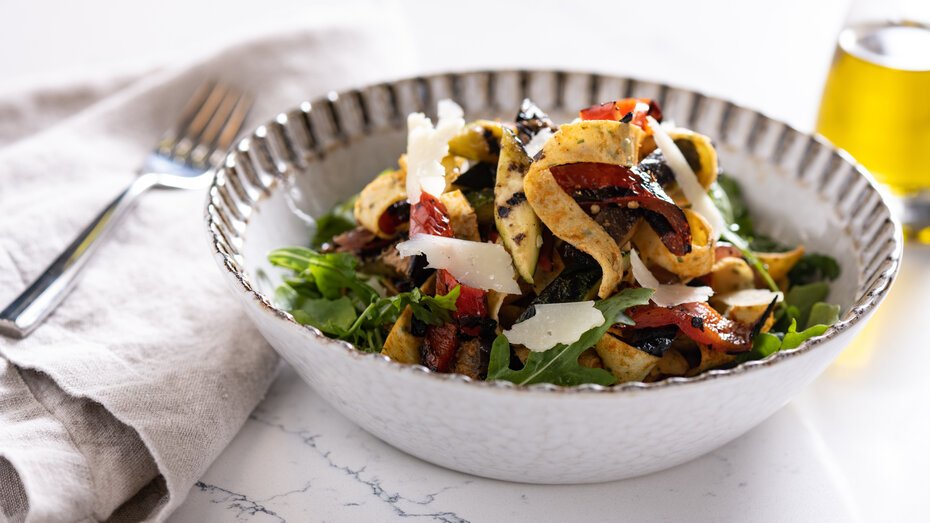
876	101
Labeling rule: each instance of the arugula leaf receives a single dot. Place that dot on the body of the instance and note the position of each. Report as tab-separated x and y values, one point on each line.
727	191
333	317
813	268
327	292
559	365
823	314
330	272
803	297
337	221
728	197
794	339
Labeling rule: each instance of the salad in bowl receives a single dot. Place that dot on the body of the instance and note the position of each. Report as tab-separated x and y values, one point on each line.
608	249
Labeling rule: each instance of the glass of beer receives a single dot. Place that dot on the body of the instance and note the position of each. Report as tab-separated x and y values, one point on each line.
876	101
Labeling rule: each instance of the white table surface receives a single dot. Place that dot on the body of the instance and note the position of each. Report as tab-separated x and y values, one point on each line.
853	446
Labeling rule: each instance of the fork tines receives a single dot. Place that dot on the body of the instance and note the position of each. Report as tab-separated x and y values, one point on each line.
209	123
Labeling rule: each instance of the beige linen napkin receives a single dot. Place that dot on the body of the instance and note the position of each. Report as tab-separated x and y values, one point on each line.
119	403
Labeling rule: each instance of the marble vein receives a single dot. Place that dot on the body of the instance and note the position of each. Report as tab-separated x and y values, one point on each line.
393	499
237	501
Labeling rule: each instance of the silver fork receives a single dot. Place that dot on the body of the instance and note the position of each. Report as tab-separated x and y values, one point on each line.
182	159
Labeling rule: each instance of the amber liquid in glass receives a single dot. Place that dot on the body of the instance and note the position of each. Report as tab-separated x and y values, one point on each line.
876	102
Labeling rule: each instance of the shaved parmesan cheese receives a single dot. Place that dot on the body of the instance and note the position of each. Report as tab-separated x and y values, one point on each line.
555	323
537	142
427	146
687	180
666	295
476	264
750	297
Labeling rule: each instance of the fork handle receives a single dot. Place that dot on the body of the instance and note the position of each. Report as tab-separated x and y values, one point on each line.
30	308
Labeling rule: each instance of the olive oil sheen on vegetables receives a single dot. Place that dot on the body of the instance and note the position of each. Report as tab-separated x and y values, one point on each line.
876	102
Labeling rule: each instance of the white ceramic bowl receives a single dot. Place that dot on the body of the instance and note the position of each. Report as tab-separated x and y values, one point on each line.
799	187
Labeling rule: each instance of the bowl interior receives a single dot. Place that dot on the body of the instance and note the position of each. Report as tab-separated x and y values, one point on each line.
799	188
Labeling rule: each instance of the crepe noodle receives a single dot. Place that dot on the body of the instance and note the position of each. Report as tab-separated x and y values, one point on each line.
778	264
698	262
401	345
377	198
625	362
597	141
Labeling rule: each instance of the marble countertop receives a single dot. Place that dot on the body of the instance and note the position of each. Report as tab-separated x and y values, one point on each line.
851	447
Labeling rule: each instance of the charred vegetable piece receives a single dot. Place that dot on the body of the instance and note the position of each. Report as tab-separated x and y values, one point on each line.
462	217
360	242
471	307
430	216
655	341
394	217
698	151
603	183
515	219
699	322
440	346
570	285
480	141
619	109
479	176
530	120
619	222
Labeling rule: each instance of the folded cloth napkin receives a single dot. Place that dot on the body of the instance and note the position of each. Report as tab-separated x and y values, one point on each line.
118	404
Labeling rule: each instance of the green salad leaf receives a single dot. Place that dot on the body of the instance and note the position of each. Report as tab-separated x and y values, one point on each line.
728	197
559	365
766	343
813	268
327	292
338	220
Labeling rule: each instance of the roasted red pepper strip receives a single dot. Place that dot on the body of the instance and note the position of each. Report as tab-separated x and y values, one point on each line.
440	346
698	321
395	216
607	183
616	110
472	303
429	216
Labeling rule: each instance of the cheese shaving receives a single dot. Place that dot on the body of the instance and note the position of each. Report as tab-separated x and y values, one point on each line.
476	264
666	295
555	323
750	297
427	146
687	180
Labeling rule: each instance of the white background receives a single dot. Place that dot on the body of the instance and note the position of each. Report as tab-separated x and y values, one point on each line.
856	440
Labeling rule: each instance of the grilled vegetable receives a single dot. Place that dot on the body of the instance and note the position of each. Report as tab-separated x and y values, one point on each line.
480	141
530	120
462	217
516	221
697	150
698	321
623	109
